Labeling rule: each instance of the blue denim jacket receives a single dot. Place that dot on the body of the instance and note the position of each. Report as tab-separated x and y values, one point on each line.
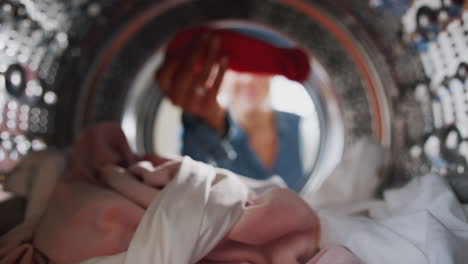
233	151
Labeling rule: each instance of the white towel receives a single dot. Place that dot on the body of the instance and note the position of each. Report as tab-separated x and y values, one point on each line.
420	223
187	219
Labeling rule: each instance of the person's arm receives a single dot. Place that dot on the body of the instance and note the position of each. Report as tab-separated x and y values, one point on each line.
186	79
97	146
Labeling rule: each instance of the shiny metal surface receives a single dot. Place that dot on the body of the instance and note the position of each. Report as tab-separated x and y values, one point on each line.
353	103
86	61
30	46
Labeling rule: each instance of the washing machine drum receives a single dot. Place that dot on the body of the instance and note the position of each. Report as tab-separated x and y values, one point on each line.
99	59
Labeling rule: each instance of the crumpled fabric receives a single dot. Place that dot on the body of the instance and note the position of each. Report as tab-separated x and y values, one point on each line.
421	223
35	177
100	218
187	219
191	214
206	216
335	255
352	182
246	53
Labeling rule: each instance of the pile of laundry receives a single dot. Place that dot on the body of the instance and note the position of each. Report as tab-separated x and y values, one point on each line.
184	211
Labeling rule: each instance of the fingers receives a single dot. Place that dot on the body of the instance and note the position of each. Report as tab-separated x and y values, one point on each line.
122	148
121	181
180	78
193	82
100	145
201	101
188	73
212	93
213	55
157	177
111	147
155	159
166	73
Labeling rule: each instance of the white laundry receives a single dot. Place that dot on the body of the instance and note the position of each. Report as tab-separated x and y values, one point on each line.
353	181
187	219
420	223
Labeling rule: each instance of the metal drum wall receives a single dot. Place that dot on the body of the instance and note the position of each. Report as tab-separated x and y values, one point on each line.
78	62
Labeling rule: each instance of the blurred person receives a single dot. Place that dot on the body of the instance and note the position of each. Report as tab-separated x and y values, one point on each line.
245	134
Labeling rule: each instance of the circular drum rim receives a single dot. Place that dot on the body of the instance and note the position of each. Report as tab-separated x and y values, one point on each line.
359	98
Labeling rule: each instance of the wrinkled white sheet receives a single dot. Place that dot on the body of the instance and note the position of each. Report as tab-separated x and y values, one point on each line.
187	219
353	181
420	223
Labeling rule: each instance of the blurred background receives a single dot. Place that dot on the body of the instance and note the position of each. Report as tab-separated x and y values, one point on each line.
391	70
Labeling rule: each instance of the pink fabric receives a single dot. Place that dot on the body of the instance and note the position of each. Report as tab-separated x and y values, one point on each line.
102	222
24	254
278	227
97	216
335	255
87	220
16	247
